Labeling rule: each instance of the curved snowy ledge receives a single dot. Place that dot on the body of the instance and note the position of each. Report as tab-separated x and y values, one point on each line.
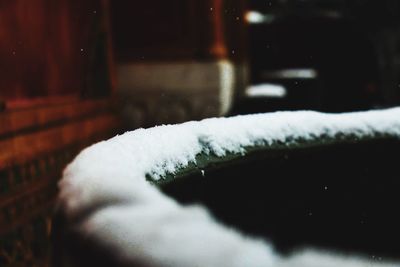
105	193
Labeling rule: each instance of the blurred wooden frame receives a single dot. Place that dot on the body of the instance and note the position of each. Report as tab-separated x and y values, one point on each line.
43	125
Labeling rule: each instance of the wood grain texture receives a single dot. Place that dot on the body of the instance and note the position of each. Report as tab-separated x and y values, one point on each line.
47	47
20	149
28	118
38	145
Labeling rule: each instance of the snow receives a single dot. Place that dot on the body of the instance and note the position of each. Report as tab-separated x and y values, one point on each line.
266	91
105	195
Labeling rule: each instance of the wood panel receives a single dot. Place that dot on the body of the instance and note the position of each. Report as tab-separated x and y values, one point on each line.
36	143
53	55
50	48
25	119
22	148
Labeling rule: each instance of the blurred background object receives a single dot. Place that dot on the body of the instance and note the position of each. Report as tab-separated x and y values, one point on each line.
75	72
332	55
55	95
177	60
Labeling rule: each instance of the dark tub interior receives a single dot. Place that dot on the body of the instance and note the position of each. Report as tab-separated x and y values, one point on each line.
342	197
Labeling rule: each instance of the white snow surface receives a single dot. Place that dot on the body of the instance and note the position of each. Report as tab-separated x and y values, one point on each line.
141	224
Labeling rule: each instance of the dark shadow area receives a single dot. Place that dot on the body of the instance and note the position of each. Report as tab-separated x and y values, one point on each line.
340	54
341	197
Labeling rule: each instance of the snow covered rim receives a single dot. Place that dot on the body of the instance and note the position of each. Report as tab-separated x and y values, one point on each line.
355	128
207	160
104	192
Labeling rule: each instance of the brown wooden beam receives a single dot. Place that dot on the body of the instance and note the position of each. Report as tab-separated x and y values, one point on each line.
22	119
20	149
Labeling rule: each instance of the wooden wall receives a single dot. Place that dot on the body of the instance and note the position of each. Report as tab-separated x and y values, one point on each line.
36	144
55	99
47	47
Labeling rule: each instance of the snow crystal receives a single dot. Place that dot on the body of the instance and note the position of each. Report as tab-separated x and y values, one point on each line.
131	215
